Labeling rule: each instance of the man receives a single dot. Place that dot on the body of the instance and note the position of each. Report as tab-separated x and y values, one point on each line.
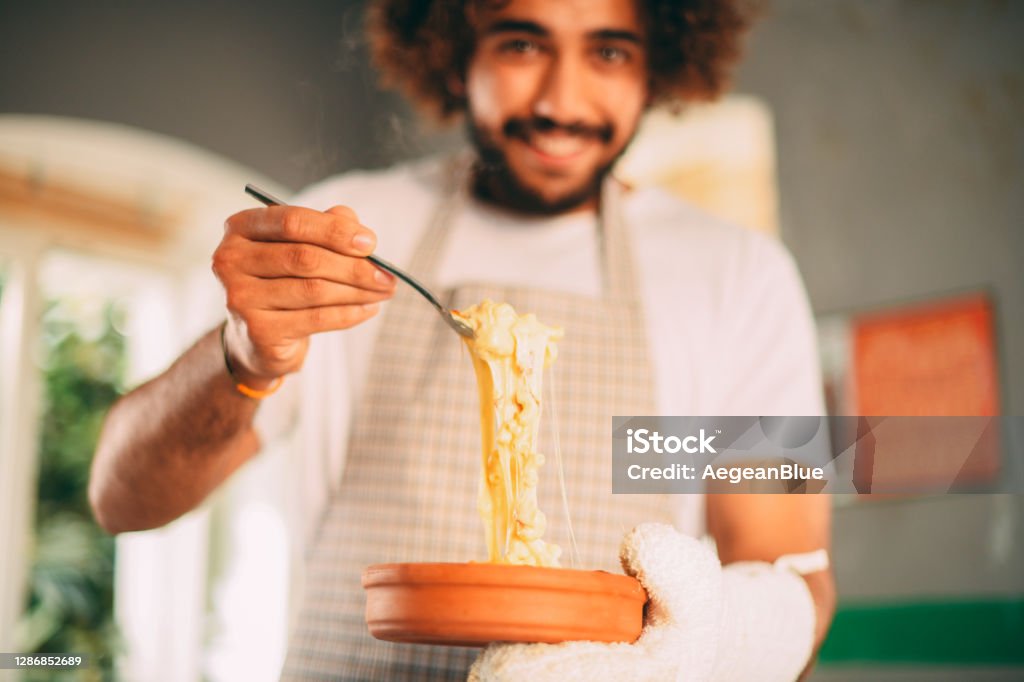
665	311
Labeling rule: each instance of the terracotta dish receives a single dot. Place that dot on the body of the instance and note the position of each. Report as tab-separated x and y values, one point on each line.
475	604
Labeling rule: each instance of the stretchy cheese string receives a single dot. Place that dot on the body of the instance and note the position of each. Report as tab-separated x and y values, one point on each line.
510	353
561	469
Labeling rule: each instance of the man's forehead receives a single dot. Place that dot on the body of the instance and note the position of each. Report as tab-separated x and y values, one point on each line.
578	16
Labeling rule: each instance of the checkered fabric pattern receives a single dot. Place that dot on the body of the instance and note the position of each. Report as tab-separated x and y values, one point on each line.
410	485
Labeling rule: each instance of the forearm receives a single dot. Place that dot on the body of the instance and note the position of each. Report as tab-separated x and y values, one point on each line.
166	445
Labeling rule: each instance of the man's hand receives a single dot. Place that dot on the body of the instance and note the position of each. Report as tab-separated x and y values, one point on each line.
290	272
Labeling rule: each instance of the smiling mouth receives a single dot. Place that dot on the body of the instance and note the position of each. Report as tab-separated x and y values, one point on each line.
559	146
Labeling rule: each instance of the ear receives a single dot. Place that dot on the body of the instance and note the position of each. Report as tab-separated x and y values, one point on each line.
456	85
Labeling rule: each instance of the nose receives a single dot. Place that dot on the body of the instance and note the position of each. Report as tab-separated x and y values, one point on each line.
562	93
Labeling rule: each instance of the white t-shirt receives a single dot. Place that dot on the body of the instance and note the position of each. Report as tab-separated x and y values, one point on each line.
728	321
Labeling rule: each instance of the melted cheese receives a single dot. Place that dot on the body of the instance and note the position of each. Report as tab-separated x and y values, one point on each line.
510	353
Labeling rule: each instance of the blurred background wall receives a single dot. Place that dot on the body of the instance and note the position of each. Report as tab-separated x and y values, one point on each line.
900	160
898	122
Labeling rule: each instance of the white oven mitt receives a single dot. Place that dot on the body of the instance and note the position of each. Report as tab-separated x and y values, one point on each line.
752	620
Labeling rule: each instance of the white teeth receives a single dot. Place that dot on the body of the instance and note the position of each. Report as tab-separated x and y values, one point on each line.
558	145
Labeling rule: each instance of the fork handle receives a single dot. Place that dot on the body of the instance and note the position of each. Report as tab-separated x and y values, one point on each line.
408	279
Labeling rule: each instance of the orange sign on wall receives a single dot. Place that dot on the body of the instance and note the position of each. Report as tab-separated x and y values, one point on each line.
931	359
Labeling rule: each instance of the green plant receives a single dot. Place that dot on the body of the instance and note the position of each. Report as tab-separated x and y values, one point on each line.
70	603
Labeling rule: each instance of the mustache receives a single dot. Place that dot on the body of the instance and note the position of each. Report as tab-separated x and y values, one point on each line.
522	127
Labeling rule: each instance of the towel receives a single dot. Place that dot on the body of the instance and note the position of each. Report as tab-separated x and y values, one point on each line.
752	620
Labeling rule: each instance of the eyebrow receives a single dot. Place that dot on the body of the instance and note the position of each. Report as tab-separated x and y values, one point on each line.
533	28
615	34
517	26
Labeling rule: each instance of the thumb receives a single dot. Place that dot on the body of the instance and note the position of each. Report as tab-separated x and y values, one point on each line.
363	238
683	579
681	575
343	212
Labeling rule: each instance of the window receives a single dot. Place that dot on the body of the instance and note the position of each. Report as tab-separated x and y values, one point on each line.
104	280
80	358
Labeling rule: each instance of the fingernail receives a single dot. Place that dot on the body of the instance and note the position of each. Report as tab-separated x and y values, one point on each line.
382	277
371	307
363	242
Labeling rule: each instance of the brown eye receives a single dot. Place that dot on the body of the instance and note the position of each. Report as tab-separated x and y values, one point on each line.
519	46
610	54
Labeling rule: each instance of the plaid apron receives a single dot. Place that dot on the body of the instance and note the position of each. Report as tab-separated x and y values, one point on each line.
410	482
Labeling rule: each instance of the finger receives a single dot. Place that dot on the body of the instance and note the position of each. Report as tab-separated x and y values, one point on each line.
297	293
285	259
295	324
336	230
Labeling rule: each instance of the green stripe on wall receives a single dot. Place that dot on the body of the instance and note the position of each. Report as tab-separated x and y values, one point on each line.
969	632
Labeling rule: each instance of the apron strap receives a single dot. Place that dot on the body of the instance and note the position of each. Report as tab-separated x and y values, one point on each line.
619	276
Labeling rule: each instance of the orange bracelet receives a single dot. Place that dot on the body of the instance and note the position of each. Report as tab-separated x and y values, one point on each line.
247	391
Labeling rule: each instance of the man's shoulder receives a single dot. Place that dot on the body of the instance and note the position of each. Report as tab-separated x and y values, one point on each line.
671	226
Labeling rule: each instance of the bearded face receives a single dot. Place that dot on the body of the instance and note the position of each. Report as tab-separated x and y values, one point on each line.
555	91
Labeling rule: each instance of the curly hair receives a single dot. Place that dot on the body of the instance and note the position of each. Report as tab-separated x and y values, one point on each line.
692	45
